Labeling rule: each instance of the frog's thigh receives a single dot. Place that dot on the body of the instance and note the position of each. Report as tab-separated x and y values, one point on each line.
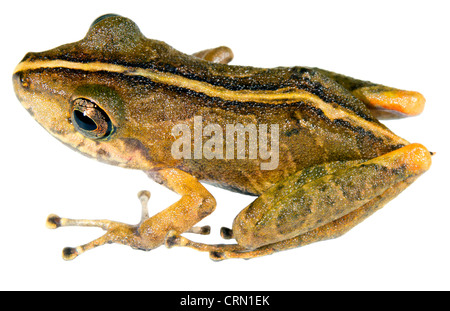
328	206
330	230
221	54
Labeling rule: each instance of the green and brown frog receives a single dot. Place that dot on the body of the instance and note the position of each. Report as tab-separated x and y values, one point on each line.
123	99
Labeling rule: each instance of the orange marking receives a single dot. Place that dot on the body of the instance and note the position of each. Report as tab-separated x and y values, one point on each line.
407	102
415	156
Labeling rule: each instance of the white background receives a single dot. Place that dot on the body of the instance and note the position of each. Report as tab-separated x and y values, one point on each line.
405	246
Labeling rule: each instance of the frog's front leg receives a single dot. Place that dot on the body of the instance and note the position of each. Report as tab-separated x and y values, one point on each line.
317	203
195	204
221	55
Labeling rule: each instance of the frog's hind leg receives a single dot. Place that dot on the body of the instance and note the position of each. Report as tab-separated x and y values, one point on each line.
117	232
384	102
331	230
317	204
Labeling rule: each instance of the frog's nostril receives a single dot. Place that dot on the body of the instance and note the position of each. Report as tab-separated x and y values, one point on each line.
20	84
20	79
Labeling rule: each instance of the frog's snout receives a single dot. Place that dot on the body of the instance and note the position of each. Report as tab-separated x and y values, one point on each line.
21	79
21	83
18	82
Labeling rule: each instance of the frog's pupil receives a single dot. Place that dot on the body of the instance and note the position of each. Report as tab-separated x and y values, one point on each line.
84	122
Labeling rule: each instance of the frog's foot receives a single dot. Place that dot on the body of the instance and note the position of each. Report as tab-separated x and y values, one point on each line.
390	103
384	102
175	239
220	252
117	232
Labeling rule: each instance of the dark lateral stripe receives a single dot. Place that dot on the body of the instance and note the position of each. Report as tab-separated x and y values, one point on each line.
284	95
234	82
233	78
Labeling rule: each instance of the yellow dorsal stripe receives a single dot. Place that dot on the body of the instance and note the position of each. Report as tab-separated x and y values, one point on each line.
285	95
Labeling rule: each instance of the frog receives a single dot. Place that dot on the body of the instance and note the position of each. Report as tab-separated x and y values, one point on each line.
123	99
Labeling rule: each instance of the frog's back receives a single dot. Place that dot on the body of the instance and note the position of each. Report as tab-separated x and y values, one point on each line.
318	121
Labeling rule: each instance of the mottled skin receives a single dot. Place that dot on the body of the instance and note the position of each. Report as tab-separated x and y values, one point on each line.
327	131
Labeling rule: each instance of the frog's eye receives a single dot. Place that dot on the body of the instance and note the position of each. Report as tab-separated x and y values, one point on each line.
90	120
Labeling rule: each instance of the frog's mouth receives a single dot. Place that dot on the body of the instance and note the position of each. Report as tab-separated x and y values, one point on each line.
123	152
20	83
47	110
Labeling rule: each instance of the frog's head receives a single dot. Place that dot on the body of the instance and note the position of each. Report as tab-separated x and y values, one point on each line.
72	91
